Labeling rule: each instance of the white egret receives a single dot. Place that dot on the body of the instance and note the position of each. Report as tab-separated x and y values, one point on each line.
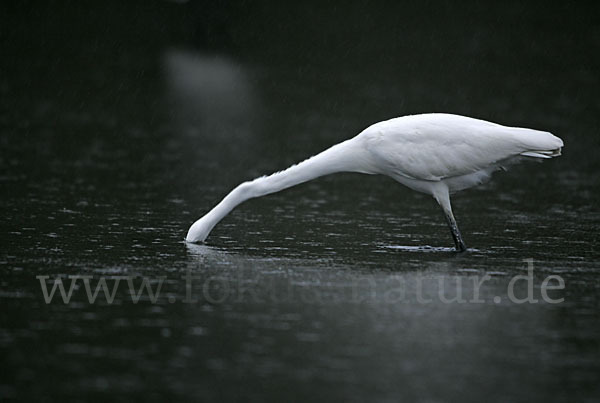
433	153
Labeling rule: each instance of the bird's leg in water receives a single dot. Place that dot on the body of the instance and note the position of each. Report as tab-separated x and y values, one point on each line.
442	196
458	241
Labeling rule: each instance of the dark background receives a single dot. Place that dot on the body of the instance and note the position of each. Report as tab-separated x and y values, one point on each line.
121	122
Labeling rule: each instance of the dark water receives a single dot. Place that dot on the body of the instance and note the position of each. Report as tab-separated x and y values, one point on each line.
122	123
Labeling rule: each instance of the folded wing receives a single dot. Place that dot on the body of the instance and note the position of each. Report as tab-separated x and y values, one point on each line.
439	146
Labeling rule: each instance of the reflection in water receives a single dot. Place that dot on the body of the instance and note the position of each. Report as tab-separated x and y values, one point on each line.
210	94
345	322
424	248
205	253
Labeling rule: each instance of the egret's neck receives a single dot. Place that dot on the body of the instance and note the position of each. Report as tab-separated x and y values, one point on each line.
343	157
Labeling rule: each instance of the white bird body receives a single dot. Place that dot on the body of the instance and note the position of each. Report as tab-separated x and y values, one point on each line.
434	153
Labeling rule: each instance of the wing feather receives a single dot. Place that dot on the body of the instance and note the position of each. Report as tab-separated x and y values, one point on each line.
438	146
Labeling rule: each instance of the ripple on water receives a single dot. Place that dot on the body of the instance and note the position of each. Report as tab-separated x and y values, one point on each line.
423	248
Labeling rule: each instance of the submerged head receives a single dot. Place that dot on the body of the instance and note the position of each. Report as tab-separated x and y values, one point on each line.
199	231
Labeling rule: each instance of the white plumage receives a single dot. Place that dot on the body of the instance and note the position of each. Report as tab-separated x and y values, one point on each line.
434	153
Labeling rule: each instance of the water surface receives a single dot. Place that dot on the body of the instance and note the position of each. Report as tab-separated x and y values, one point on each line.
121	125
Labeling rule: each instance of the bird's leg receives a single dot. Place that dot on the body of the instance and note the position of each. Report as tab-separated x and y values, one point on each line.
443	198
458	241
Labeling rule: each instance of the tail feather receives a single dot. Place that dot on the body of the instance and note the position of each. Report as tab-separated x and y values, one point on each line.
542	154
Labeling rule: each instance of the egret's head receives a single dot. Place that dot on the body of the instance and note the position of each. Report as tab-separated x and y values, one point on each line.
198	231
